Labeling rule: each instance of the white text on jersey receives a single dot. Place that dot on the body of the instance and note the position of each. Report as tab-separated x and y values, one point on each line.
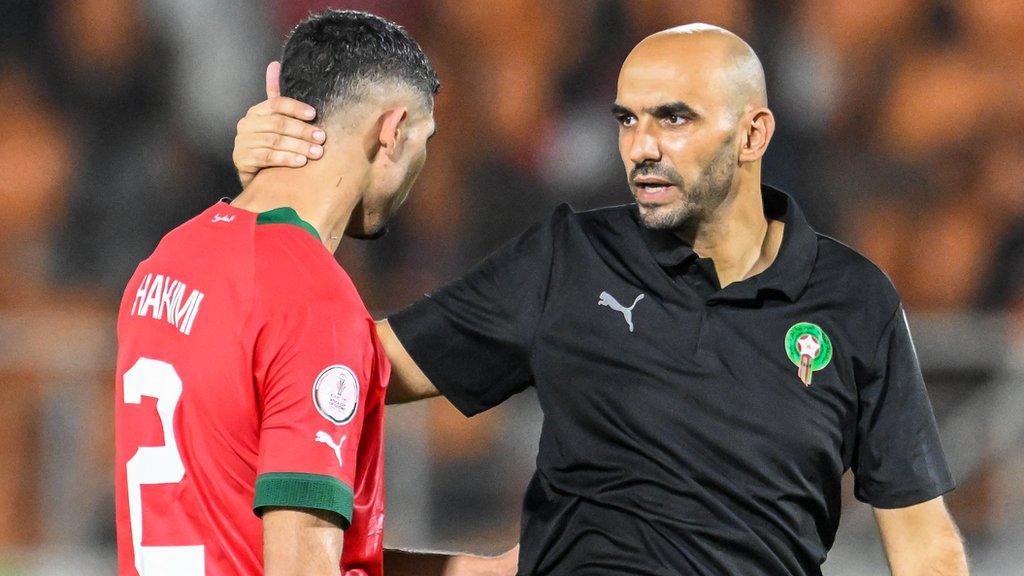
162	297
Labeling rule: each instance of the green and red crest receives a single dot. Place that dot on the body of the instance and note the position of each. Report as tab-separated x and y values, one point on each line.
809	348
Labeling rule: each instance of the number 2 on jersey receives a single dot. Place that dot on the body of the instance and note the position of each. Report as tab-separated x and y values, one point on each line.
157	465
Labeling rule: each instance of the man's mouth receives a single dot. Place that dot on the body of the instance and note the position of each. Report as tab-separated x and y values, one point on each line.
651	184
652	190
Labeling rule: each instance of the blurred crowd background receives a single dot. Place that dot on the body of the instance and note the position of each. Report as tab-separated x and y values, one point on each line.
899	132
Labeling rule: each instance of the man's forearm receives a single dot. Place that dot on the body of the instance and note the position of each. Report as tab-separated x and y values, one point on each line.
941	554
948	565
922	540
943	559
953	563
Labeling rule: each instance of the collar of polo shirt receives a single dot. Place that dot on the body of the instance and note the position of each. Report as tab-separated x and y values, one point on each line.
787	275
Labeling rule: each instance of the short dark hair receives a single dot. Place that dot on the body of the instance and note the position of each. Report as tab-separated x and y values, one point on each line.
330	56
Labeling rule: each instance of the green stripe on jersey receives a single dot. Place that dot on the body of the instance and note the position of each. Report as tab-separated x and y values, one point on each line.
297	490
286	215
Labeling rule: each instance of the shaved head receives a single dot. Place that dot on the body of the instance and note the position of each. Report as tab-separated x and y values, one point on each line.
689	101
712	52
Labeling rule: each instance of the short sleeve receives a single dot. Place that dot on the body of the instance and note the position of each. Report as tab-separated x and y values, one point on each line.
472	338
312	399
898	460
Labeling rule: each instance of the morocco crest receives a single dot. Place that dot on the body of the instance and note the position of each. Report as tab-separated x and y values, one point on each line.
809	348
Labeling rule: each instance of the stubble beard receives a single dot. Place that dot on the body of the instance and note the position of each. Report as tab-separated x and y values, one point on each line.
699	201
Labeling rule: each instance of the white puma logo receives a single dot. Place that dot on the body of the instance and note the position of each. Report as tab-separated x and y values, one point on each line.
325	438
221	218
627	313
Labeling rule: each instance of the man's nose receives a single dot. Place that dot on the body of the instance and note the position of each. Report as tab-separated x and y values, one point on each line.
644	146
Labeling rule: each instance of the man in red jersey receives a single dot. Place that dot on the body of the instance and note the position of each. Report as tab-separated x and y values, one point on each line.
250	380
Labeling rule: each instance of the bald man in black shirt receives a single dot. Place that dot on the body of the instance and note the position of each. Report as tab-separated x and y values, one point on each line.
707	364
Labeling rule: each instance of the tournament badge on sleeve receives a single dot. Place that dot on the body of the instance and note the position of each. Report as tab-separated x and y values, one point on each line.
809	348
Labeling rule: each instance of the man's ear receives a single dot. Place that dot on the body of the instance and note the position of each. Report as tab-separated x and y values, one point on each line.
392	125
759	134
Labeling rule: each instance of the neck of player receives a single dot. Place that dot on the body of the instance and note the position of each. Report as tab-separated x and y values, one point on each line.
314	191
740	240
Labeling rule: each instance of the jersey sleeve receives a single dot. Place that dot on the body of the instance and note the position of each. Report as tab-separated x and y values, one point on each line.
312	401
472	338
898	460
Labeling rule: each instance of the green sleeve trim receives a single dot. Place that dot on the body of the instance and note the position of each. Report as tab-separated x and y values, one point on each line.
297	490
286	215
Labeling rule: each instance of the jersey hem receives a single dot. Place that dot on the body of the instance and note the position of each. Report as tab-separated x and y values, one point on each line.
300	490
909	498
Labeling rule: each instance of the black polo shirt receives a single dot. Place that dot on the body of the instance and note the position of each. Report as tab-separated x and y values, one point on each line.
687	429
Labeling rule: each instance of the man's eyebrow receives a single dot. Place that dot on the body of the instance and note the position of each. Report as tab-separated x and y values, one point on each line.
619	110
678	108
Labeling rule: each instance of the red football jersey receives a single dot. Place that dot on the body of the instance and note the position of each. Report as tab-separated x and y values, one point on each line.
249	375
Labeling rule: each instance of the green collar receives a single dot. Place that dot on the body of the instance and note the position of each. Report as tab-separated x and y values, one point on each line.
285	215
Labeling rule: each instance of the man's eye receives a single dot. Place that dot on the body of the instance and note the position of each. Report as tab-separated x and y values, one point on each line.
676	120
627	120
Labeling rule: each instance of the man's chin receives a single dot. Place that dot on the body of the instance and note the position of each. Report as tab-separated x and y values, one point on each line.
660	217
367	235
